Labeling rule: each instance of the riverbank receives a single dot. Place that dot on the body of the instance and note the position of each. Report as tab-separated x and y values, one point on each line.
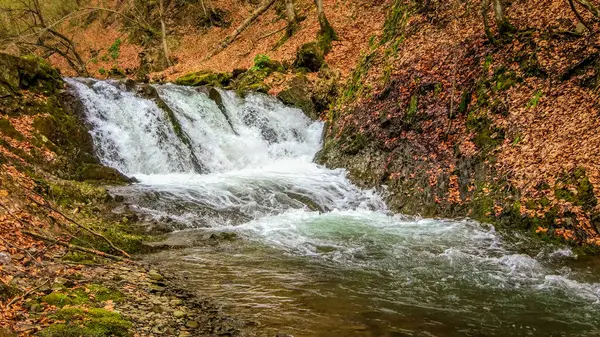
67	258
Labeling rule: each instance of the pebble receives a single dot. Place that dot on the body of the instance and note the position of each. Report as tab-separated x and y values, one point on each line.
154	275
179	314
192	324
4	258
176	302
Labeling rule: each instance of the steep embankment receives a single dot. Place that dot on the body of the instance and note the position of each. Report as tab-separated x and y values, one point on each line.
457	126
51	196
108	42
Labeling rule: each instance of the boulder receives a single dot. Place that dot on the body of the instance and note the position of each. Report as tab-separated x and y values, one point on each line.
205	77
309	56
298	94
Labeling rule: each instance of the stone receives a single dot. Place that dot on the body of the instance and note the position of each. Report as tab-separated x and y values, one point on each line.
4	258
179	314
192	324
176	302
298	95
154	275
205	77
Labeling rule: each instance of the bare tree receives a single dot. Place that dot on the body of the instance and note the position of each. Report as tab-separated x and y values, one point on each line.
292	18
164	32
37	33
502	22
327	31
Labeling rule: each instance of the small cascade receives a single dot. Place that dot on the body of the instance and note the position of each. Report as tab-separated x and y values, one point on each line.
211	161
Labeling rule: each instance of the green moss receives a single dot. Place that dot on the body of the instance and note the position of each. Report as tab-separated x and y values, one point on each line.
252	80
7	292
535	99
101	293
100	173
299	95
411	111
504	79
89	323
205	77
81	258
487	136
584	190
264	63
396	21
67	192
7	129
355	87
62	298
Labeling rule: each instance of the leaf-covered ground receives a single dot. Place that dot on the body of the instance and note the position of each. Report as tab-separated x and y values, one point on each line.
458	126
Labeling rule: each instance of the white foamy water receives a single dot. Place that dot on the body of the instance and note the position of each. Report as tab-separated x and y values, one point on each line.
258	179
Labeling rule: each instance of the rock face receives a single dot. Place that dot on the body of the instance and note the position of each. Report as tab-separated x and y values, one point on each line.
298	94
37	110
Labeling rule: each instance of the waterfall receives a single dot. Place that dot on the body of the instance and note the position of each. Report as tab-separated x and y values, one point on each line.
213	161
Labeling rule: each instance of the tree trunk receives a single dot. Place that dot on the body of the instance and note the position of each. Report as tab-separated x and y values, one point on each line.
326	30
292	19
502	22
485	6
164	33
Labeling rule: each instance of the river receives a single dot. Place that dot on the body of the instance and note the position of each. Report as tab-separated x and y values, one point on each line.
299	249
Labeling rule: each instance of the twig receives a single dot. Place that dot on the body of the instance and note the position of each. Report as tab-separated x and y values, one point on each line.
271	33
579	17
87	229
74	247
229	39
22	249
22	297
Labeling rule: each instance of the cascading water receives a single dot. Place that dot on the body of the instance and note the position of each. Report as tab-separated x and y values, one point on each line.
317	255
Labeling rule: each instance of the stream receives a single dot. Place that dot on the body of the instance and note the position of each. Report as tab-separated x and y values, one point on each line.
298	249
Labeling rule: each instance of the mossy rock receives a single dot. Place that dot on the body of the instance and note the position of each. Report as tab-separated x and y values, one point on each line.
265	63
310	56
26	73
89	323
298	94
252	80
9	130
205	77
101	173
7	292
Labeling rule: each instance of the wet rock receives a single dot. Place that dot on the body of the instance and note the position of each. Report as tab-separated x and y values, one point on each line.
154	275
101	173
298	94
205	77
